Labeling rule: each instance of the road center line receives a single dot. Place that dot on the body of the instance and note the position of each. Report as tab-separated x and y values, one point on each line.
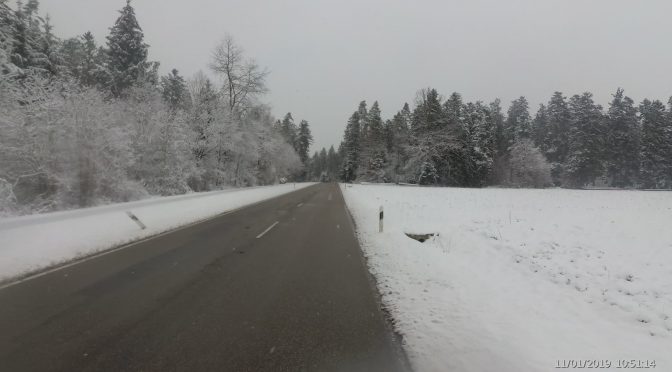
299	205
329	196
267	230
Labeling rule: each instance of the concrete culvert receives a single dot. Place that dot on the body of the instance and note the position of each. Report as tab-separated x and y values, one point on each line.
421	237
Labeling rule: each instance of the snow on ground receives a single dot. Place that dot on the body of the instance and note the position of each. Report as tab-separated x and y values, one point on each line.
521	280
38	241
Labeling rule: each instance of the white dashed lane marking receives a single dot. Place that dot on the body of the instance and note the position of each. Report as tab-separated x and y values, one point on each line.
267	230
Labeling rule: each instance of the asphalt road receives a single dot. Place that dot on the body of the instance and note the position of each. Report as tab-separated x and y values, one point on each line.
218	296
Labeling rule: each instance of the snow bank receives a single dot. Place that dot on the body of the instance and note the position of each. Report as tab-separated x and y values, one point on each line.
34	242
521	280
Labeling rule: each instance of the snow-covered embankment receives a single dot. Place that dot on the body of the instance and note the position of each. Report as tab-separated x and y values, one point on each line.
34	242
520	280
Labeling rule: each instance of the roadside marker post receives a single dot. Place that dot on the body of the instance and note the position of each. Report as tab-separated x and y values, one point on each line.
136	220
380	220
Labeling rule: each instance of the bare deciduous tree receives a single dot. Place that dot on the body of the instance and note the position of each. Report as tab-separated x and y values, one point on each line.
243	79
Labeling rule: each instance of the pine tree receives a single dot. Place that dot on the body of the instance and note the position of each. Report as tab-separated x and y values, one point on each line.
72	51
43	45
94	72
31	8
540	132
499	150
23	51
375	125
555	144
323	161
388	134
540	126
49	48
84	61
452	111
289	131
518	121
398	136
7	15
480	142
127	52
363	114
456	159
428	115
333	163
656	145
373	154
622	147
400	128
314	166
174	91
669	139
497	118
7	31
586	141
304	140
351	148
406	116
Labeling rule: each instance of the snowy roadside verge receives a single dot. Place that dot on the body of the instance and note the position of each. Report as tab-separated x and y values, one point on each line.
34	243
521	280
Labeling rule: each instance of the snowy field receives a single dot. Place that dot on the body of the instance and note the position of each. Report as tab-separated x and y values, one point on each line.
521	280
34	242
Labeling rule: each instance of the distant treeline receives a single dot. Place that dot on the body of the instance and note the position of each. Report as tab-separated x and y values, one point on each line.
570	143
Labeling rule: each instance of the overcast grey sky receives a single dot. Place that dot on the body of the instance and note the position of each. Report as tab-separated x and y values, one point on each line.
326	56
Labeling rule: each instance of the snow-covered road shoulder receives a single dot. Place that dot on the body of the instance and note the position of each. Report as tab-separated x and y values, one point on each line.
521	280
32	243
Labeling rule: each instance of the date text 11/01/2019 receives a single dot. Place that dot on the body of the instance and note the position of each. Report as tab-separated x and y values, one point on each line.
605	363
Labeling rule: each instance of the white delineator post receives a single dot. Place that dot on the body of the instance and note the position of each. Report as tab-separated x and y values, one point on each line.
380	220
